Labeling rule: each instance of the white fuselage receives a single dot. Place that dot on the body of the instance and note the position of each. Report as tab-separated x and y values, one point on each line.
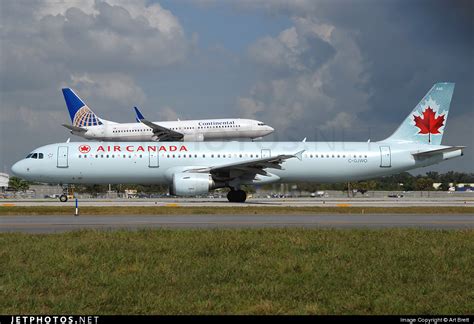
153	163
193	130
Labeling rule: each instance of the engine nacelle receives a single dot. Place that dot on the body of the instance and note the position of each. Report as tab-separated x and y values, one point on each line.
193	138
191	184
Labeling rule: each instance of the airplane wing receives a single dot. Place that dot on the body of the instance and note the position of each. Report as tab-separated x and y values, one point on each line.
249	168
162	133
434	152
75	128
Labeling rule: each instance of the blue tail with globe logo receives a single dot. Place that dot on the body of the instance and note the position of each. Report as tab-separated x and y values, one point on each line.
81	114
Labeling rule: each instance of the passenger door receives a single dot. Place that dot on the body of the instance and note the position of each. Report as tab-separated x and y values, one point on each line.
266	153
62	157
385	157
153	159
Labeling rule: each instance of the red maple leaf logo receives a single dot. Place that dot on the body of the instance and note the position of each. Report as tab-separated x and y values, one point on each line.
84	148
429	123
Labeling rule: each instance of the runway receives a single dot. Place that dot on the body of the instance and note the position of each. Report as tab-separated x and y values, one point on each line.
274	202
53	224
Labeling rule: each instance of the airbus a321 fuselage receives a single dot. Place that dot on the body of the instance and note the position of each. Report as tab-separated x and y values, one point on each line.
197	167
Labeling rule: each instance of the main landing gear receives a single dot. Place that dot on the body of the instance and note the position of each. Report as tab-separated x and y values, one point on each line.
236	195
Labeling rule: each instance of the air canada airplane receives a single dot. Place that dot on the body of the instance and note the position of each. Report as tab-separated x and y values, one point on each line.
195	168
87	124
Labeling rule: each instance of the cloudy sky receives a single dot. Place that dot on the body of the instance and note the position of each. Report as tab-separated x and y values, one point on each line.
325	70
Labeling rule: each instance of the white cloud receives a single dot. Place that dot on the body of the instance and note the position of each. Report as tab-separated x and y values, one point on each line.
312	73
117	88
167	113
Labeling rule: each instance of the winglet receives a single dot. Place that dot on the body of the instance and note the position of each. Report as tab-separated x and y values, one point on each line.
139	115
299	155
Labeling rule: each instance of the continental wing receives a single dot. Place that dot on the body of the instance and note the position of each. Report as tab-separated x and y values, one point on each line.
162	133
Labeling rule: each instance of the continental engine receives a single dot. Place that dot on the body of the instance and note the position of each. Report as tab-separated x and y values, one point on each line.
193	138
191	184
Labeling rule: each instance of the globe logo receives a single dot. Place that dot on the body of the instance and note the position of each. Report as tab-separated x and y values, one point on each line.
85	117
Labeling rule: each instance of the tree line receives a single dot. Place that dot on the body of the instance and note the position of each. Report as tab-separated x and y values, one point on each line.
403	182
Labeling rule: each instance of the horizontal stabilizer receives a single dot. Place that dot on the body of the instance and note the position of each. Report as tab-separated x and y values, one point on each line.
75	128
438	151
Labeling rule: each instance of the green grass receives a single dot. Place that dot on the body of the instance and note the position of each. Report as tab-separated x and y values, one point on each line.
166	210
264	271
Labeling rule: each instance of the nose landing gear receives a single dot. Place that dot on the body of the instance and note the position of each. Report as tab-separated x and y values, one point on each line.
236	196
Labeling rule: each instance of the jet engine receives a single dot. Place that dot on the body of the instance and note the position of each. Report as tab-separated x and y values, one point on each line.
191	184
193	138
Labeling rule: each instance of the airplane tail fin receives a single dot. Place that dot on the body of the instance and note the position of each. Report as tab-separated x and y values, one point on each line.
81	114
426	123
139	115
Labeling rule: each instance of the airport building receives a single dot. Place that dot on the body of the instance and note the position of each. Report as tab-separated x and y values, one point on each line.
4	178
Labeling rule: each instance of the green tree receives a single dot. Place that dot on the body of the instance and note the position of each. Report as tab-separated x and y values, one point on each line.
424	184
18	184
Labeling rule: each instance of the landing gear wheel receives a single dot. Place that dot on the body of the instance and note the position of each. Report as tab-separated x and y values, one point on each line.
63	198
236	196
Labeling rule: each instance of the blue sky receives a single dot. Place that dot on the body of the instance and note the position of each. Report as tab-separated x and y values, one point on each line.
325	70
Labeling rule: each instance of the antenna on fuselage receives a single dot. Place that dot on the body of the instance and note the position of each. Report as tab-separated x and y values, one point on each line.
304	140
68	140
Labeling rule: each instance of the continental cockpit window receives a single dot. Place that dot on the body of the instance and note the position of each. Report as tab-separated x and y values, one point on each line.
261	124
35	156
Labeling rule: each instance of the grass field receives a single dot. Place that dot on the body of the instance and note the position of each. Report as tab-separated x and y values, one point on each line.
166	210
264	271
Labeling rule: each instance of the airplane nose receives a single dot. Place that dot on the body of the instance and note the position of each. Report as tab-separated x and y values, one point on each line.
18	169
270	129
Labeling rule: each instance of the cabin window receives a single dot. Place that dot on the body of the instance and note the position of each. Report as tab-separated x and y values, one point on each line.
79	156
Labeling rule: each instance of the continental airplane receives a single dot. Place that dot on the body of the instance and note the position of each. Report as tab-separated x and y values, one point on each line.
87	124
195	168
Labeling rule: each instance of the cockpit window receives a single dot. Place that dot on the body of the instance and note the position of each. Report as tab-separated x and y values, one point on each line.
34	156
261	124
29	156
40	155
